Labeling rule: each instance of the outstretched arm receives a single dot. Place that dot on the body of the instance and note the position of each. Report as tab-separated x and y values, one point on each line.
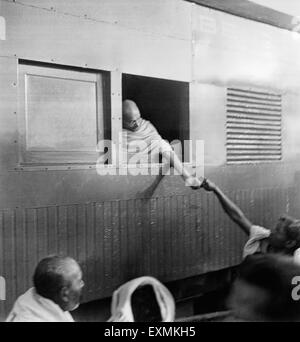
231	209
175	162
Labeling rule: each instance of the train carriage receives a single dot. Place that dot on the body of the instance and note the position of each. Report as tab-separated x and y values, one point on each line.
197	74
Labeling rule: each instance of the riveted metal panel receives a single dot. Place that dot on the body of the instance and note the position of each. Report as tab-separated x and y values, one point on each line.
167	17
52	36
8	111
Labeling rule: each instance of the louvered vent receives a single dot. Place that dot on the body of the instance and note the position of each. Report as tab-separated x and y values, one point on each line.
253	126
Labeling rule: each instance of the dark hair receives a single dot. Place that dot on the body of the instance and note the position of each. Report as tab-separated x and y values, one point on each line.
49	276
144	305
273	273
293	233
291	228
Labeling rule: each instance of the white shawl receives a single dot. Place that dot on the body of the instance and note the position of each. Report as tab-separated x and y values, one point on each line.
31	307
142	143
121	302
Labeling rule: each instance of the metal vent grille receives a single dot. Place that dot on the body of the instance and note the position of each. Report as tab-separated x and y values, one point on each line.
253	126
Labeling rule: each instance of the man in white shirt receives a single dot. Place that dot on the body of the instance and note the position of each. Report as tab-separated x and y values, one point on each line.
142	142
57	289
285	239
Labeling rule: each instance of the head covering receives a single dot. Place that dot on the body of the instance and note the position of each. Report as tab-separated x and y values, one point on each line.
121	310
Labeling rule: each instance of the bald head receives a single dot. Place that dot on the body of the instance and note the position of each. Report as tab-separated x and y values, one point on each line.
54	274
131	115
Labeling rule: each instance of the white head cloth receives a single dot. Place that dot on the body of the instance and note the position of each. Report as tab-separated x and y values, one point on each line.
121	310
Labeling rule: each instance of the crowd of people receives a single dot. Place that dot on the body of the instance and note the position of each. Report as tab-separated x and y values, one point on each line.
262	290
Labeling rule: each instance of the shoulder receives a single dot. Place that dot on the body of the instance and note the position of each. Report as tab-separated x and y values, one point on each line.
257	240
147	124
259	232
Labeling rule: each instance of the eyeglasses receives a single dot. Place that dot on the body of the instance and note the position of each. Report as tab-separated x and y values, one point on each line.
137	121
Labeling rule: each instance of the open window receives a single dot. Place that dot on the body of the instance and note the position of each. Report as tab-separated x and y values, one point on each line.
164	103
62	114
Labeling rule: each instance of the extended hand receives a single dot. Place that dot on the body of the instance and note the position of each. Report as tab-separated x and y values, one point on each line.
193	182
208	185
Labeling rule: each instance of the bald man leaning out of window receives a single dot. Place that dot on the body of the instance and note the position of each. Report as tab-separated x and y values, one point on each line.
140	135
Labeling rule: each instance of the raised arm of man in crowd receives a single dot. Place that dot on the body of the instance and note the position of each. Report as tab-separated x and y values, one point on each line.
231	209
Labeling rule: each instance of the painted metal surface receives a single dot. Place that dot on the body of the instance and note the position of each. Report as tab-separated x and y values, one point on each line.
166	237
254	11
208	120
163	18
112	229
229	50
40	34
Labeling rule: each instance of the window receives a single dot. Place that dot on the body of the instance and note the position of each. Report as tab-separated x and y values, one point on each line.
61	115
164	103
253	126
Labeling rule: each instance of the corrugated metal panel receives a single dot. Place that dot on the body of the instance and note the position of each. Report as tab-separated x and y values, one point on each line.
253	126
170	238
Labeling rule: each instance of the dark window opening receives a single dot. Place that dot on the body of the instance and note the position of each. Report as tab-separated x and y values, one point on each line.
164	103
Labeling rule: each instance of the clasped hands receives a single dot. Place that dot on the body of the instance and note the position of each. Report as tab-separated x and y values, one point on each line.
197	183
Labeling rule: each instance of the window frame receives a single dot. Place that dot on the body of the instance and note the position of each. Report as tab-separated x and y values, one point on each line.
108	94
46	159
185	154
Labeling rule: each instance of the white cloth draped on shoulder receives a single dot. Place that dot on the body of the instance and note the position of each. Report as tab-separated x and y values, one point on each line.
121	310
258	235
258	242
142	143
31	307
